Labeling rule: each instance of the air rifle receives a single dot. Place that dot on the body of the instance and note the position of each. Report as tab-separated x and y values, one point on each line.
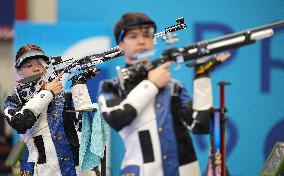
195	53
29	86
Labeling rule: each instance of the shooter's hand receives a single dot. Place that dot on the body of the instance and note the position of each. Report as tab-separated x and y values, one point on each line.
160	76
55	86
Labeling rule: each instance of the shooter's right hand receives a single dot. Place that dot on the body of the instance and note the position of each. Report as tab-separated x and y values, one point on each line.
55	86
160	76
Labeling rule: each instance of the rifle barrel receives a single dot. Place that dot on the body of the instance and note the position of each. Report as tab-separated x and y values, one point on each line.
230	41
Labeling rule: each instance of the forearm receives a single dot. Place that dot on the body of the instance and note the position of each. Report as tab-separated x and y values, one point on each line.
81	97
22	118
39	102
141	95
196	113
120	112
202	94
196	121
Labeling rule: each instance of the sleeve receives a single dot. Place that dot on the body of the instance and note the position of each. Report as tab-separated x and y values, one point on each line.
81	97
196	113
24	117
81	101
120	112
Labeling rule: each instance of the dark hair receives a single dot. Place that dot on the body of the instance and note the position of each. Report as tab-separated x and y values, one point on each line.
19	61
131	20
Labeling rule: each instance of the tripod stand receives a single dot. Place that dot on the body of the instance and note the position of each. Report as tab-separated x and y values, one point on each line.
217	157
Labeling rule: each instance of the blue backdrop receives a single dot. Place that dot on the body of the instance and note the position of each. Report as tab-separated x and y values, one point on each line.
255	98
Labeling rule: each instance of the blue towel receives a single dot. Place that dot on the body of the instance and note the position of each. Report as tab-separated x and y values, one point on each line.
93	139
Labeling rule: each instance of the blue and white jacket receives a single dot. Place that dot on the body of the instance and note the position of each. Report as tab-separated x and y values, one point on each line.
48	130
154	127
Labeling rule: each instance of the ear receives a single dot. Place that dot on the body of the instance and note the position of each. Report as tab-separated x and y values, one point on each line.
121	46
19	72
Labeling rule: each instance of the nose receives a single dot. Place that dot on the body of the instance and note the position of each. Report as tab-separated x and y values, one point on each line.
36	68
141	39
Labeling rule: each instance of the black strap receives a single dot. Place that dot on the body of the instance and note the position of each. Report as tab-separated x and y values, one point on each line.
38	141
146	146
186	153
69	128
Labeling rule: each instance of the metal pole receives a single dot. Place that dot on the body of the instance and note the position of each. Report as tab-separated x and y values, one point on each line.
223	120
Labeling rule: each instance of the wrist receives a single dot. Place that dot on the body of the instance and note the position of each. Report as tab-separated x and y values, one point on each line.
154	83
51	91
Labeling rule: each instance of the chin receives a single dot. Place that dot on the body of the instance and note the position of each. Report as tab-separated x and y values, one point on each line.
131	60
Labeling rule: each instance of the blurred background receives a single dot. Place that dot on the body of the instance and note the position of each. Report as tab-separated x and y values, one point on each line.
256	72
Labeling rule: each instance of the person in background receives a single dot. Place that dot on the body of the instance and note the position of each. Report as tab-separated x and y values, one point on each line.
49	131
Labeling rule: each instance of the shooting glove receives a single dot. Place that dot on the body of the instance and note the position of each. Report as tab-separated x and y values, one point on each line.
203	69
